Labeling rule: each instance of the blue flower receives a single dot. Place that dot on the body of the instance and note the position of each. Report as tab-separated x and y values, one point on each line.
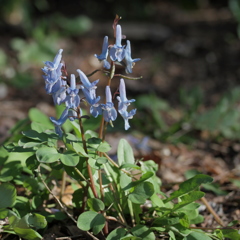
126	116
87	84
124	103
103	56
72	114
58	123
109	112
59	92
52	72
54	65
89	91
117	52
72	100
128	58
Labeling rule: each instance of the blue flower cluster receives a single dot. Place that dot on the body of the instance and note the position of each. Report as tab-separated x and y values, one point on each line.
118	53
62	92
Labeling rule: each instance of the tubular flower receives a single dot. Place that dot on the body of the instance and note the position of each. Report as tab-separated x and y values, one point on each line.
123	104
89	91
103	56
128	58
72	100
52	72
58	123
117	52
109	112
59	92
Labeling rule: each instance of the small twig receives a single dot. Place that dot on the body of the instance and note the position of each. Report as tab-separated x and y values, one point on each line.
210	209
56	199
211	228
90	74
126	77
63	186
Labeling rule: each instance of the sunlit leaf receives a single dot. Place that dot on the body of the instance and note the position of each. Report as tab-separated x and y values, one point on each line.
125	153
190	185
95	204
141	193
69	158
47	155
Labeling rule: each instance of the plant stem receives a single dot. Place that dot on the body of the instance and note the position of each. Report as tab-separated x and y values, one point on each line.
102	132
92	185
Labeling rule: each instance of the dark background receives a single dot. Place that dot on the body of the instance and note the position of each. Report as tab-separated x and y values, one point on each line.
184	44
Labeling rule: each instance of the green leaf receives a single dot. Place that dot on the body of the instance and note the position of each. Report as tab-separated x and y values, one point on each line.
76	128
125	180
32	134
130	237
10	171
141	193
129	166
188	198
3	213
125	153
166	221
198	236
104	147
69	158
172	235
94	142
102	160
116	234
232	234
27	143
143	178
13	218
8	195
143	232
91	220
27	233
37	221
189	185
32	163
79	149
215	187
36	115
47	155
38	127
95	204
97	163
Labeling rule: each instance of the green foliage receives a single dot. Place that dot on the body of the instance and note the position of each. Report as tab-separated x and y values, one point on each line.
21	226
220	121
91	220
132	184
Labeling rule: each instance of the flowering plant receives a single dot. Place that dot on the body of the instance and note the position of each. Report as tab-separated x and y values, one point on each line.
105	191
